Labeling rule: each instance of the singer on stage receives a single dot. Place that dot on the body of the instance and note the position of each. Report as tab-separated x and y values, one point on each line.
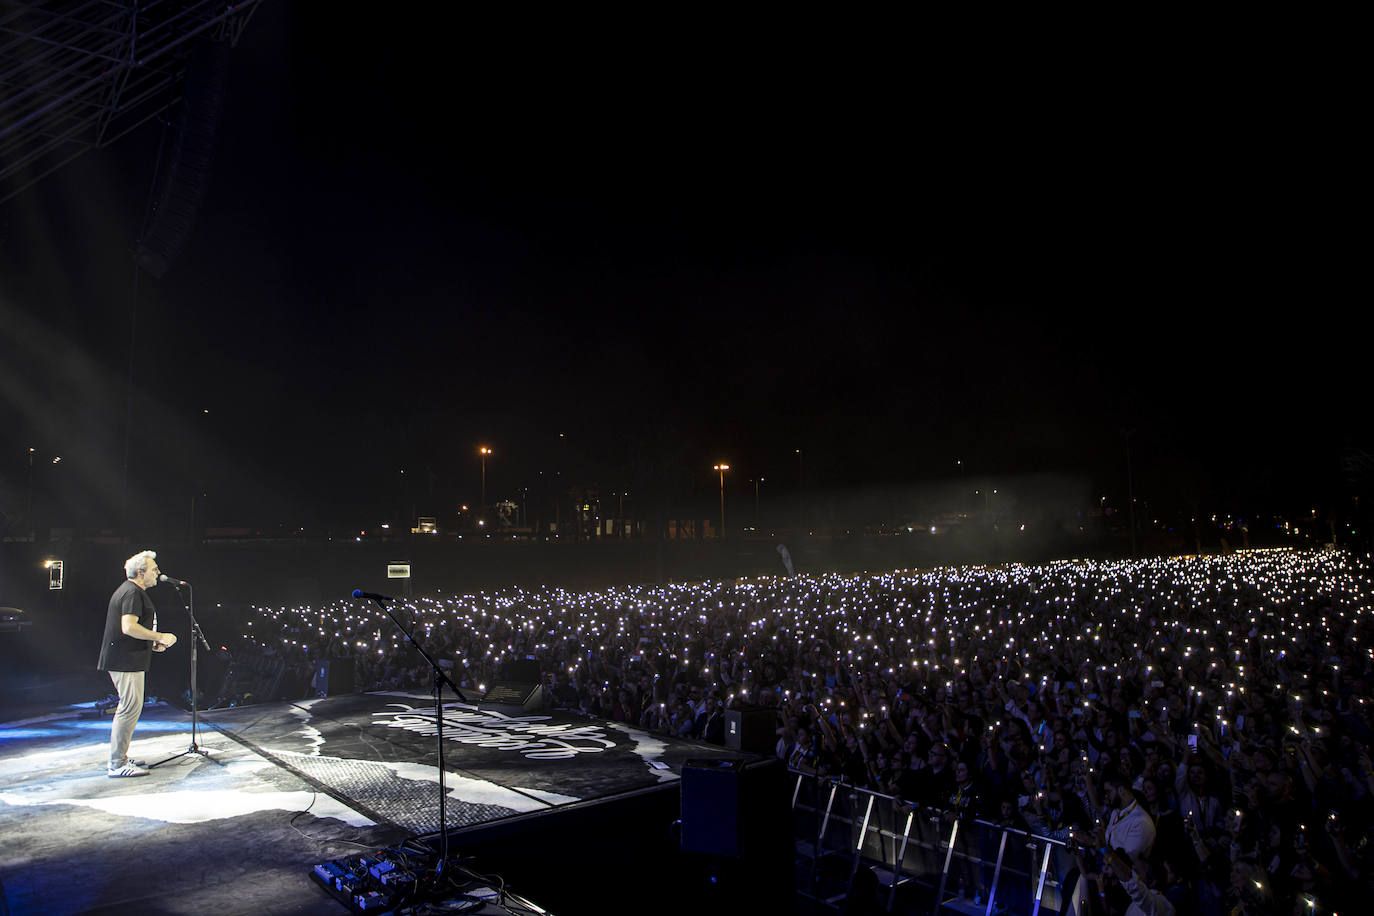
131	637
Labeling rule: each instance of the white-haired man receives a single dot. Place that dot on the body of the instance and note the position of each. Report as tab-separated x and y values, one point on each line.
131	637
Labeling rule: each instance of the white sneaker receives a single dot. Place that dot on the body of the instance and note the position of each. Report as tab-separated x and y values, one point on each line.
127	770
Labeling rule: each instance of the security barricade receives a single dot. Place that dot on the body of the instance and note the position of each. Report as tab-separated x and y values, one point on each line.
966	865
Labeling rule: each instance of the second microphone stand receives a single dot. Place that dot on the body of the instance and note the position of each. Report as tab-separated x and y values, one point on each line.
440	679
197	637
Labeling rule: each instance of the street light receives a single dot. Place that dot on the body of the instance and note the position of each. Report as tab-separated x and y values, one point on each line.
28	514
757	481
620	513
722	468
484	452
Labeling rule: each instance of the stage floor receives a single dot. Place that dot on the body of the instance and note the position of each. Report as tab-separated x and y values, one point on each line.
377	753
286	786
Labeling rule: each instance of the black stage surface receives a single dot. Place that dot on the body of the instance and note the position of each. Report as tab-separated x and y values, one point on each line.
575	814
377	754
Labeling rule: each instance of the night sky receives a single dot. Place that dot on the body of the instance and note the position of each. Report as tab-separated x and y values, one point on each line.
623	256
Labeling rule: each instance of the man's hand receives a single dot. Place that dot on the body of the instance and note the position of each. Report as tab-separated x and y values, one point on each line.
1119	868
167	640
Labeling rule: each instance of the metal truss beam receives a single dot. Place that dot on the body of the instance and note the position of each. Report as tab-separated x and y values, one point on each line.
79	75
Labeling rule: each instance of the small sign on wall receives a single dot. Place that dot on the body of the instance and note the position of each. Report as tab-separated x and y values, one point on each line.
398	571
54	575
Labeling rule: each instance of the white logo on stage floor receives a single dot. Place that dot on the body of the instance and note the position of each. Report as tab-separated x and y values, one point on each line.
486	728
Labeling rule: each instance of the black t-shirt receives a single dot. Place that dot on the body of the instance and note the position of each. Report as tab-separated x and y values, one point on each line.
124	653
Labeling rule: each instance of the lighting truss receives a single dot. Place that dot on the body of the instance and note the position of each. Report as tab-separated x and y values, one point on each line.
79	75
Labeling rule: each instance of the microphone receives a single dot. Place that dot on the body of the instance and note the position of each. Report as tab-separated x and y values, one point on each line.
359	593
170	581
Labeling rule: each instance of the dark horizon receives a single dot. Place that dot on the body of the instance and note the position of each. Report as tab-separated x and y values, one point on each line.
626	274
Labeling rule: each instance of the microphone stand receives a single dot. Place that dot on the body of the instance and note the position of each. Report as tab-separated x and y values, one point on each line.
196	636
440	679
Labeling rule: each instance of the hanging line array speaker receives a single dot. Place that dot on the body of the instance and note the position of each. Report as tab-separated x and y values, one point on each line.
184	181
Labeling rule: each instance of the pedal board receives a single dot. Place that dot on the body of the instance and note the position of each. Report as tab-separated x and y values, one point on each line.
396	881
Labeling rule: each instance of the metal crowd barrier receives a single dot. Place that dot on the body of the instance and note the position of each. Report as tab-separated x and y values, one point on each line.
974	867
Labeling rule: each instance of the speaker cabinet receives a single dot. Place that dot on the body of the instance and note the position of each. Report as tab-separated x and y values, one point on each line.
711	806
740	811
753	730
334	677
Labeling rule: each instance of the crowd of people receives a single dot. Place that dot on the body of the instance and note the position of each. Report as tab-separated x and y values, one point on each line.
1195	729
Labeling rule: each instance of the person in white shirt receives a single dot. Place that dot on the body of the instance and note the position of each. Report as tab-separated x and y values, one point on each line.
1129	826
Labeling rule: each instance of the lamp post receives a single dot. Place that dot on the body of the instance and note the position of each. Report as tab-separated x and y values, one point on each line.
1126	435
757	481
484	452
28	513
722	468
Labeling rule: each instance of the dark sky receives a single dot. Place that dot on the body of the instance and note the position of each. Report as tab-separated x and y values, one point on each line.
614	257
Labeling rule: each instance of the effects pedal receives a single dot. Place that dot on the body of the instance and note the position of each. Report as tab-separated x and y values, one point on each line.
329	872
371	900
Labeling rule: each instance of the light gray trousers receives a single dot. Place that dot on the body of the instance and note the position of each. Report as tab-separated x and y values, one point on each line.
129	686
